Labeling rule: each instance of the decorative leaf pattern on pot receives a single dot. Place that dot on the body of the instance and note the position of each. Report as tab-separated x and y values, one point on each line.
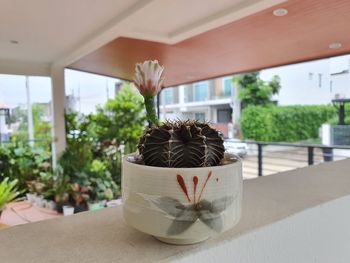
184	216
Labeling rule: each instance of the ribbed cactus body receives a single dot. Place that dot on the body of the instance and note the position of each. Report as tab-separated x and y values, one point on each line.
182	144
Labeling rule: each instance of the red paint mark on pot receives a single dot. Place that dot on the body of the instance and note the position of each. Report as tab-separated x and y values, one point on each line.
205	184
195	182
182	184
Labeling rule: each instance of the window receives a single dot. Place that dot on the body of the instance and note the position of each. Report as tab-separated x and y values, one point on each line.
228	87
319	80
169	96
224	115
201	90
199	116
311	75
331	86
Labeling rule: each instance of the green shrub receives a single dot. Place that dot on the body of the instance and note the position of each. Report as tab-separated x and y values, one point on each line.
20	161
8	192
284	123
121	119
334	120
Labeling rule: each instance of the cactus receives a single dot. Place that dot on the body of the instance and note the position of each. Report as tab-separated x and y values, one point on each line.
182	144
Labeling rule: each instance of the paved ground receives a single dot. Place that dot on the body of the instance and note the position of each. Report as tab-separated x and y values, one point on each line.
278	159
23	212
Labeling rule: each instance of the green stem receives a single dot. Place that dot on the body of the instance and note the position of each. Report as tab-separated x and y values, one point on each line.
151	110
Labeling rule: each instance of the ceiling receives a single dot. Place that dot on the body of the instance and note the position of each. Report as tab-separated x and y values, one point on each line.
46	30
194	39
37	34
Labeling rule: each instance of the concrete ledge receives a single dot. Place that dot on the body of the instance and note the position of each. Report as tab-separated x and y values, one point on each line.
296	216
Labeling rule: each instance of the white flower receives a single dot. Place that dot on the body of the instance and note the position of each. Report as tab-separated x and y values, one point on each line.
148	77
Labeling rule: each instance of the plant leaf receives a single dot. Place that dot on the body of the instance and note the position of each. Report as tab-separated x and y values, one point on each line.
178	227
169	205
213	222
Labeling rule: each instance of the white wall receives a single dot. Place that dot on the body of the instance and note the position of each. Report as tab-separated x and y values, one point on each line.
341	85
320	234
301	88
298	86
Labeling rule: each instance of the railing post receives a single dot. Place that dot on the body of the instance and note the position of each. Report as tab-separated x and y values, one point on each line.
260	162
327	154
310	154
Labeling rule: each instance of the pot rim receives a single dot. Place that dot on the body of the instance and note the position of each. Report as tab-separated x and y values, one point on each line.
164	169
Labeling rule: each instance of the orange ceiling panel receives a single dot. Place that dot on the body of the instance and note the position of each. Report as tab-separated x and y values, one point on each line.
259	41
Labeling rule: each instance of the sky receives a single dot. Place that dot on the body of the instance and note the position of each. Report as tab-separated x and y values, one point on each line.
92	89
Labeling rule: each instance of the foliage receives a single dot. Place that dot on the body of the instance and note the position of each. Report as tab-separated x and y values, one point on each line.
111	154
284	123
93	167
42	126
83	150
121	119
42	184
78	152
60	190
8	192
182	144
102	186
335	120
90	167
254	91
20	161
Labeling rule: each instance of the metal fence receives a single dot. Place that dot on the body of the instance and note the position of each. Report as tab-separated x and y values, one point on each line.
265	158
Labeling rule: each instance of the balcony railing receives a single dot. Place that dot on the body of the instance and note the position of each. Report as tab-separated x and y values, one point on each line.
265	158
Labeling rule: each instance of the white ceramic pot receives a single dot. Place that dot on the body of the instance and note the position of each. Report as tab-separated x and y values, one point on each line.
68	210
31	197
182	205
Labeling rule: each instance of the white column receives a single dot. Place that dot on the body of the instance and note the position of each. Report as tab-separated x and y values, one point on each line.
58	106
181	94
236	105
29	115
162	107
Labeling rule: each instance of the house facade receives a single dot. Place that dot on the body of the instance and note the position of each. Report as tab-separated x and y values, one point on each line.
213	100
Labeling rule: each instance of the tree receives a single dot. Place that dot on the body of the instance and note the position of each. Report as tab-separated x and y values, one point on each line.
254	91
42	126
121	119
98	137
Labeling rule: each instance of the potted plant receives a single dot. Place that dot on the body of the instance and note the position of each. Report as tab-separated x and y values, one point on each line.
181	187
102	188
80	195
61	189
8	192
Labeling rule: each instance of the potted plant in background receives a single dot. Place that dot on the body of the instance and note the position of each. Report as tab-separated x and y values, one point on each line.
61	189
102	188
80	195
180	187
8	192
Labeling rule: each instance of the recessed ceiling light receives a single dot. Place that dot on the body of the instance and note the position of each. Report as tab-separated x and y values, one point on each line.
280	12
335	45
14	42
